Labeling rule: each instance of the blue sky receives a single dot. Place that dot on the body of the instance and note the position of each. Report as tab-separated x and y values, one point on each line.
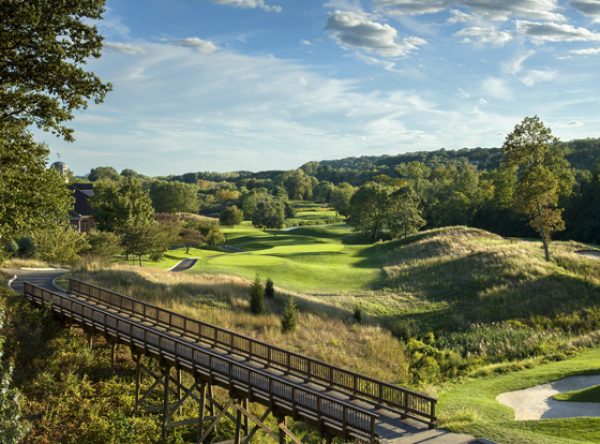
270	84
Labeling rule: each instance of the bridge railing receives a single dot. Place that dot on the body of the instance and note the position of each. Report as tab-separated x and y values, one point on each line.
346	415
398	399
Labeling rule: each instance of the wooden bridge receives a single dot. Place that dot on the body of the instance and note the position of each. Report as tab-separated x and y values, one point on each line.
337	402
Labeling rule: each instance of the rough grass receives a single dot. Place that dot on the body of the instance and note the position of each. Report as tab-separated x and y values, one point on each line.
590	394
470	406
224	301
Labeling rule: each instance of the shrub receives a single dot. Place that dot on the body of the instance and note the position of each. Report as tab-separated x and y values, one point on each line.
27	247
358	314
11	247
269	289
232	215
59	243
257	296
104	243
289	318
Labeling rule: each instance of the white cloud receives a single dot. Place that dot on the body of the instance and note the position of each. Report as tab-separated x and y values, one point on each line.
515	65
250	4
357	30
535	76
497	88
590	8
484	36
498	10
201	45
556	32
585	51
125	48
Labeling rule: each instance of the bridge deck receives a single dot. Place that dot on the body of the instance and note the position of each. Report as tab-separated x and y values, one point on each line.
345	413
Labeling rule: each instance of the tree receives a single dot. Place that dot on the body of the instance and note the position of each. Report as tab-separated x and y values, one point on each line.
257	296
174	197
43	48
59	243
404	213
117	204
532	153
140	240
270	213
104	244
12	426
103	172
340	198
322	192
298	185
30	194
269	289
289	317
191	237
231	215
368	210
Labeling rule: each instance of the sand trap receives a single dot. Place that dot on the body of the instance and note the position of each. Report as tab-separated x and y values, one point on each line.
537	403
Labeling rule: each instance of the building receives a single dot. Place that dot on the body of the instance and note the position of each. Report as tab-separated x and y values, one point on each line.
81	216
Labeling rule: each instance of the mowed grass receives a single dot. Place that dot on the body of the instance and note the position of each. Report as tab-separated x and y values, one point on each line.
307	259
590	394
471	406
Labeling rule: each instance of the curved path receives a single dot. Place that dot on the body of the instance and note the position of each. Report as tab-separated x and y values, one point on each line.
537	403
42	277
590	253
184	264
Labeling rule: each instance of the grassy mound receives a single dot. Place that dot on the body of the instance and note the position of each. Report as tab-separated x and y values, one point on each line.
590	394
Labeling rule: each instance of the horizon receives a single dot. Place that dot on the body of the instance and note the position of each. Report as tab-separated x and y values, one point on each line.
228	85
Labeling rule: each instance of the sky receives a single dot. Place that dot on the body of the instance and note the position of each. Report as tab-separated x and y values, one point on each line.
224	85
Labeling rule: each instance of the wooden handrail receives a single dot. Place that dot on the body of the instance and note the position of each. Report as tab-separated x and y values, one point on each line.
401	400
195	357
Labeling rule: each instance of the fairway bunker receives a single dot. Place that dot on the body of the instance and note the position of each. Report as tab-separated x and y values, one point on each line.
537	402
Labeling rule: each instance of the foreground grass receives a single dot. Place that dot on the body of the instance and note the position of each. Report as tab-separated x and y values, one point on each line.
471	406
590	394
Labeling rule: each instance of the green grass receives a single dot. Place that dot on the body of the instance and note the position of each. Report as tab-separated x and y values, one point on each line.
590	394
309	213
471	406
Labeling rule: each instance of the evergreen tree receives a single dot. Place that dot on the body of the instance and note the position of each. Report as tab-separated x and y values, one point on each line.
257	296
269	289
289	317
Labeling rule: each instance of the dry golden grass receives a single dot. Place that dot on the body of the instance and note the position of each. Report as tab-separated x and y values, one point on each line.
224	301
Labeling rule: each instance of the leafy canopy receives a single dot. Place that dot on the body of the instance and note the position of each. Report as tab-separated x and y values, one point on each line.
44	46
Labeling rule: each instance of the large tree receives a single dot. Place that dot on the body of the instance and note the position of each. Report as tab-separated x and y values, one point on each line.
543	174
174	197
31	195
368	210
117	204
44	46
404	213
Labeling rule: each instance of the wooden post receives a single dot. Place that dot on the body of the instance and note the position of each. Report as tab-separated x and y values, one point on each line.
113	347
167	372
238	425
138	378
245	404
178	384
282	435
202	410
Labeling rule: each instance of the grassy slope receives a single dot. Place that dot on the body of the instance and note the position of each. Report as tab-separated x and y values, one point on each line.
471	406
590	394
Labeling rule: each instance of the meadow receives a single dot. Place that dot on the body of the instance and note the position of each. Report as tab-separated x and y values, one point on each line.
457	312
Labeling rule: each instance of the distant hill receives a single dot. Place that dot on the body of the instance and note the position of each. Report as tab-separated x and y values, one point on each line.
584	154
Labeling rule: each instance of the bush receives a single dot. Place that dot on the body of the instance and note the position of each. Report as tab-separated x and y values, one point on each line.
232	215
27	247
269	289
11	247
358	314
104	244
257	296
289	318
60	243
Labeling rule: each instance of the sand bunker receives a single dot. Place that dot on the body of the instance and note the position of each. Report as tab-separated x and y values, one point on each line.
537	403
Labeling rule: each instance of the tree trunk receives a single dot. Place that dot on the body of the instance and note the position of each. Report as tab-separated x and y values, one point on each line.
546	248
187	249
140	259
